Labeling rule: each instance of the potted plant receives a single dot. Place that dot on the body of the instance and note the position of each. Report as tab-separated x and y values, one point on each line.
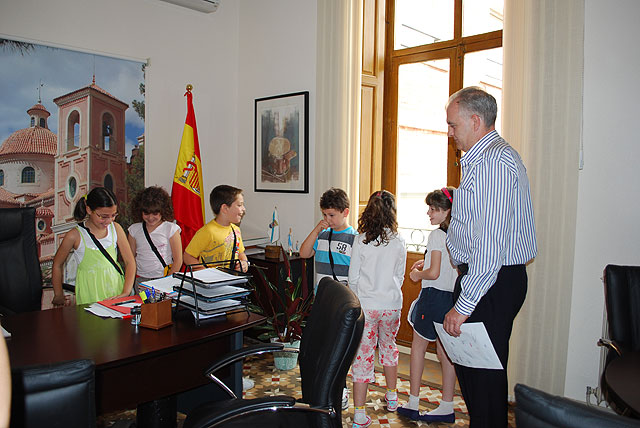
286	308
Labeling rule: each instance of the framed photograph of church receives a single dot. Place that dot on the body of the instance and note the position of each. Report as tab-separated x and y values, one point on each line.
282	143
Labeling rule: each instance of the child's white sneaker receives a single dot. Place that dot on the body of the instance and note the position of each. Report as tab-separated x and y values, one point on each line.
345	399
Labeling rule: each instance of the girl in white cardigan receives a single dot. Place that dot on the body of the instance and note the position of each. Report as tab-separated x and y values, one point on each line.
376	273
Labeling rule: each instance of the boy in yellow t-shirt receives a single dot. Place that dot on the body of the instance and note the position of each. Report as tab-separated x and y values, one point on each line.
215	240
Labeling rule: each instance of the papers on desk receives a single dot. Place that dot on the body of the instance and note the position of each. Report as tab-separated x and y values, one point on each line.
212	308
103	311
212	277
473	348
162	285
221	292
217	291
115	308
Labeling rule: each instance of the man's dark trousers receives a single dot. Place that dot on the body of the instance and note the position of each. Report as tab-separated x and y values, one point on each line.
484	390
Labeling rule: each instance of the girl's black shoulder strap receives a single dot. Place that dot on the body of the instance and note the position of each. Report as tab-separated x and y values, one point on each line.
152	245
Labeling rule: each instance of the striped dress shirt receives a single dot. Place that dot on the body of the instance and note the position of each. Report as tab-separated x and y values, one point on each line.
492	221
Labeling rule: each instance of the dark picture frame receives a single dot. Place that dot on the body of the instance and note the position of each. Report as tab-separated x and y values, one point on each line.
281	162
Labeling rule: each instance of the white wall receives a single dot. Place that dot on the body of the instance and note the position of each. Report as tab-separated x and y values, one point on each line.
609	188
277	56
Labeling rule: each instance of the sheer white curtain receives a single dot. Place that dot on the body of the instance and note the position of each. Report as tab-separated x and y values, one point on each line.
542	119
338	98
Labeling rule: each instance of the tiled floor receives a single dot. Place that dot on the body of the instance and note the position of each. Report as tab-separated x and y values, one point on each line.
270	381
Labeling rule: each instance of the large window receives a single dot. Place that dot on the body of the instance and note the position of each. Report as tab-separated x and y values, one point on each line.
435	48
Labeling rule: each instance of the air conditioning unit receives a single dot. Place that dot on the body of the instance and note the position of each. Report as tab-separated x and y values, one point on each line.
206	6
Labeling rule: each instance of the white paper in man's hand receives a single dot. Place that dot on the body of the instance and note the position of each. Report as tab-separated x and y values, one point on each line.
473	348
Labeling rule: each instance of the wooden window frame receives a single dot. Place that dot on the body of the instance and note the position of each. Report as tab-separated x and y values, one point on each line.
455	50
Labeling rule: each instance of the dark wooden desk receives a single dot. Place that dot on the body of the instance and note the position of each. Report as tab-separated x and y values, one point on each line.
273	268
623	377
133	364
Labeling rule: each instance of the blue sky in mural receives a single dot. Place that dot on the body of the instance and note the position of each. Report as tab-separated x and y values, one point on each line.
62	71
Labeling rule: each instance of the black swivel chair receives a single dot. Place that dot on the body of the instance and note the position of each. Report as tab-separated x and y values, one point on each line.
537	409
20	275
329	343
56	395
622	300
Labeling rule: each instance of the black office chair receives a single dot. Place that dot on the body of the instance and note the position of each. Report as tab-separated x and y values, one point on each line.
56	395
20	275
329	343
537	409
622	300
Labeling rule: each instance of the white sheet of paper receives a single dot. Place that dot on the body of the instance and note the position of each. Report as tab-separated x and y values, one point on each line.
473	348
163	284
212	275
103	311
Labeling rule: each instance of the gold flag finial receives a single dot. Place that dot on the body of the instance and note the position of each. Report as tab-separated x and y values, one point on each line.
189	87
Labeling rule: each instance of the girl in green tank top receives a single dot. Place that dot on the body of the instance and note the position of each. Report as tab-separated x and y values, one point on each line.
95	241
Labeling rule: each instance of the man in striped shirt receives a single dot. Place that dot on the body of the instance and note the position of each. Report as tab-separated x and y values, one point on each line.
491	237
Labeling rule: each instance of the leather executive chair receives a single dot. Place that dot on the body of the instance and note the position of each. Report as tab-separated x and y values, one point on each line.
622	301
20	275
329	342
538	409
54	395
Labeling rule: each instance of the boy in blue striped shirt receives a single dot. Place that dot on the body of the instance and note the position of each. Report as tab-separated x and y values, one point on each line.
330	241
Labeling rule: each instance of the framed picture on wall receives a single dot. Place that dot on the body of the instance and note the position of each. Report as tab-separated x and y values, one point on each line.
282	143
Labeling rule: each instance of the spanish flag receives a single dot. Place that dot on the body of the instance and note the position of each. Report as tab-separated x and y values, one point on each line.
187	192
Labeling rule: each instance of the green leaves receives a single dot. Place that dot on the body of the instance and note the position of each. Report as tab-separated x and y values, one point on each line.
286	306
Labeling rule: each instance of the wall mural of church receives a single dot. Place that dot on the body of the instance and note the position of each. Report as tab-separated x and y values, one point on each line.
67	126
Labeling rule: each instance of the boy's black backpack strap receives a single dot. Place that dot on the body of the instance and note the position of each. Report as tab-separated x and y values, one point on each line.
233	250
331	257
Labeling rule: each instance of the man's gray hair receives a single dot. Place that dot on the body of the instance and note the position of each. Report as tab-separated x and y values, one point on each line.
476	100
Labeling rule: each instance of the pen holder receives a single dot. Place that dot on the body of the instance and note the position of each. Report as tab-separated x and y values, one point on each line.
156	315
272	251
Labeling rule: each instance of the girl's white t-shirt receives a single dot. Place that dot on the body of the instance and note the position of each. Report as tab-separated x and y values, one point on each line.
376	272
147	263
438	242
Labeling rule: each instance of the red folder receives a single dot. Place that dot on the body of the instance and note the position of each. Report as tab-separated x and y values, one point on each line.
117	304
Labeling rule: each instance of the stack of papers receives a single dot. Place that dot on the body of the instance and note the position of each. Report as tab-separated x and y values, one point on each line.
212	308
215	294
212	277
162	285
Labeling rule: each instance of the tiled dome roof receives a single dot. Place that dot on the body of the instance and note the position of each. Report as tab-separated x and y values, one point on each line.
34	140
40	107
